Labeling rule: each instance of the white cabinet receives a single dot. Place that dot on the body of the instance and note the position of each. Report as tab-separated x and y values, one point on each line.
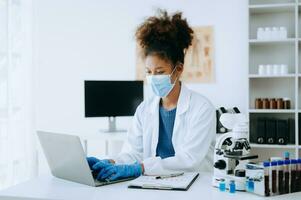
275	13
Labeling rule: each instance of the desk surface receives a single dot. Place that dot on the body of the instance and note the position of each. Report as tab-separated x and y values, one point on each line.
49	187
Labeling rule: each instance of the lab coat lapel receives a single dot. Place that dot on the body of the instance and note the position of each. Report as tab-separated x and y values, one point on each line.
182	107
154	121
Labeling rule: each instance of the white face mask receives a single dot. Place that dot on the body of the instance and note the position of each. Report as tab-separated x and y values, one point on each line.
161	84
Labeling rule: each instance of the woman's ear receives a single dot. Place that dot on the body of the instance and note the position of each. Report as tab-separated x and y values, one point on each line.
180	67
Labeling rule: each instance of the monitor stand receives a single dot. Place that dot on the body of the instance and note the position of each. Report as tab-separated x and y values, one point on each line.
112	126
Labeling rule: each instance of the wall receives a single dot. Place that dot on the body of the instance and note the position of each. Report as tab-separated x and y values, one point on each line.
76	40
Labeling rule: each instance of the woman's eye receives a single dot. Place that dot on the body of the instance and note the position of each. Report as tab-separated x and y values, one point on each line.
160	72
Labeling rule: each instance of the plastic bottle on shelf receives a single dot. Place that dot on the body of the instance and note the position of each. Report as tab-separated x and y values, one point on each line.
269	69
276	69
275	33
262	70
260	33
267	33
283	69
283	32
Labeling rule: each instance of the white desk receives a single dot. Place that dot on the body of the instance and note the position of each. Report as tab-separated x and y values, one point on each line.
49	187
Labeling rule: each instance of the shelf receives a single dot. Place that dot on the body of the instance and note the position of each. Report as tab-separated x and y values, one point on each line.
270	8
271	111
273	146
256	41
272	76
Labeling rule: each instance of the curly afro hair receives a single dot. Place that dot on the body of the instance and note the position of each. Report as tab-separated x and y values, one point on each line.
165	36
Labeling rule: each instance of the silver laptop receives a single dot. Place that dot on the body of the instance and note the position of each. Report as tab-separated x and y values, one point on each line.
67	160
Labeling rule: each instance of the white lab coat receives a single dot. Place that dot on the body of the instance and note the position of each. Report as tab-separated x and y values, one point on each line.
193	136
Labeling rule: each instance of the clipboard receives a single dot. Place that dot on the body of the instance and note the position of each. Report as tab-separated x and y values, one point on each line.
180	183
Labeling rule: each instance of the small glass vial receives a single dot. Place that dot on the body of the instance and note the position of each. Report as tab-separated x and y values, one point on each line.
232	187
222	185
266	165
251	185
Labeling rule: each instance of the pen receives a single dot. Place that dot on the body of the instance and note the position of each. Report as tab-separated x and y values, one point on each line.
169	175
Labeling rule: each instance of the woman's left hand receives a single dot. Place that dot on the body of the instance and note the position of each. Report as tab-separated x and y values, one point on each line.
115	172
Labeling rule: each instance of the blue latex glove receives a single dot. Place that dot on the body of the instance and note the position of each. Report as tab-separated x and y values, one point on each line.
114	172
92	161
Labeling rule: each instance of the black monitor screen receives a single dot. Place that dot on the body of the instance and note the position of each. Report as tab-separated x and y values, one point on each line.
112	98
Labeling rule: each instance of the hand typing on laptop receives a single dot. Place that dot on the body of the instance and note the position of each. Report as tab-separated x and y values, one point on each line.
107	170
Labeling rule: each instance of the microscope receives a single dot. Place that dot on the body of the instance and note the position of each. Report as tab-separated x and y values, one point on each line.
232	151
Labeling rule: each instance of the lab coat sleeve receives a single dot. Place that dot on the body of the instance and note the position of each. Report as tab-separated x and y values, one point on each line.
132	150
190	155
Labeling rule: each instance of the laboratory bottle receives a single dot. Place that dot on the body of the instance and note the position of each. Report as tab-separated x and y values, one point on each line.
299	176
280	177
287	176
222	185
293	175
274	177
232	187
266	165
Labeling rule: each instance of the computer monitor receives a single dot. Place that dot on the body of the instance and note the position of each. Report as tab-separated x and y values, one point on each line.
111	99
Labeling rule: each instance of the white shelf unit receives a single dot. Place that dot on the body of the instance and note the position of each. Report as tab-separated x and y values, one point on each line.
275	13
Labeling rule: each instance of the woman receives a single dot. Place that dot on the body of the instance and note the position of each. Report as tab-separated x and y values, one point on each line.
174	130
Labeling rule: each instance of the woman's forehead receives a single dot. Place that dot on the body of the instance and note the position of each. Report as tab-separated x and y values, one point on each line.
155	62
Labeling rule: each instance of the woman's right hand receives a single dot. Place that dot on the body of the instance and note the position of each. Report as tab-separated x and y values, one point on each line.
96	164
93	160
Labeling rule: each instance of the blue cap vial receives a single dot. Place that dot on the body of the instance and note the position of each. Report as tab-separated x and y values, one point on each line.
222	185
266	163
286	155
274	163
287	162
280	162
232	187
